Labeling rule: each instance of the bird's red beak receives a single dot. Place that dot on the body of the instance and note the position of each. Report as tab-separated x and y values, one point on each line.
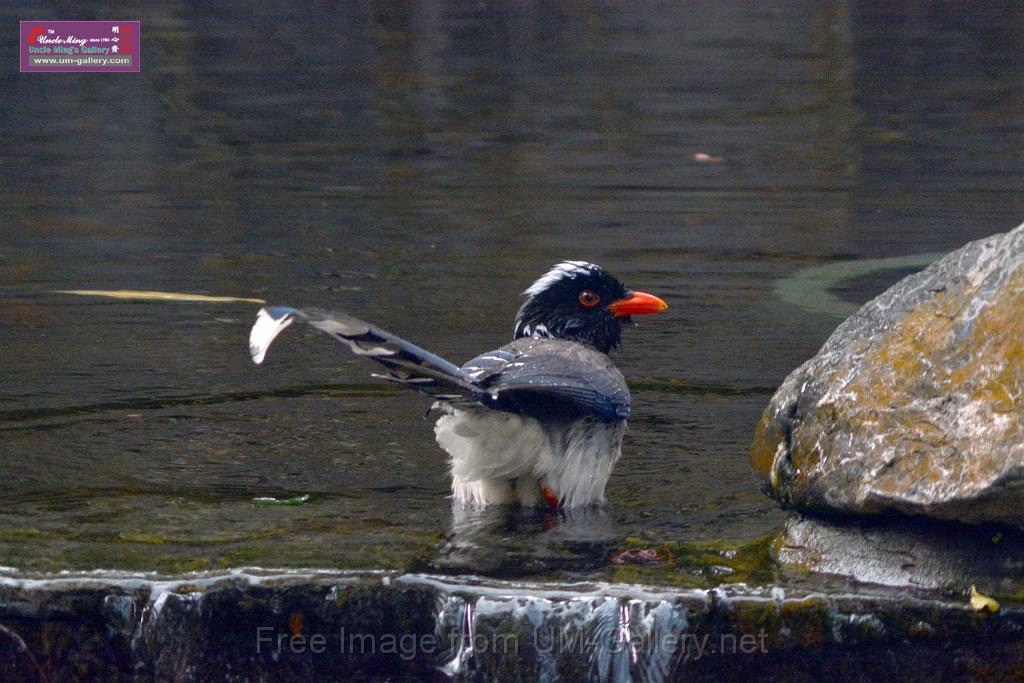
637	303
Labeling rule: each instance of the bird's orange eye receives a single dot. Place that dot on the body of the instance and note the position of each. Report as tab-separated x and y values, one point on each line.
588	299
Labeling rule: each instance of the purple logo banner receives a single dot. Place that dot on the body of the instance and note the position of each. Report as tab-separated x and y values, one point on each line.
80	46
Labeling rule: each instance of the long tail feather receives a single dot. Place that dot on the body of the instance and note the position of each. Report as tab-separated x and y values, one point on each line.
407	363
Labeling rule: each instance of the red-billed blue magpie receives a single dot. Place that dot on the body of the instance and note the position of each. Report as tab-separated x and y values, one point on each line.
538	421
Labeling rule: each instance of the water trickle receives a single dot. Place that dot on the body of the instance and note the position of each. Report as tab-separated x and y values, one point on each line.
596	638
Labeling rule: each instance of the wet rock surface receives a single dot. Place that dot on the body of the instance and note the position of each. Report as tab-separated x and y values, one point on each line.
253	625
914	404
917	554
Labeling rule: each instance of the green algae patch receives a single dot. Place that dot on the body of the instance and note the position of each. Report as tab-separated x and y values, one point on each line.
812	288
766	444
697	565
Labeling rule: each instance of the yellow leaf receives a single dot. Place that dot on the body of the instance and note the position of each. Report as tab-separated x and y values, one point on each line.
135	295
982	603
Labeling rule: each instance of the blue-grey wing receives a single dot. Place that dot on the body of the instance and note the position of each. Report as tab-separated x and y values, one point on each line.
550	377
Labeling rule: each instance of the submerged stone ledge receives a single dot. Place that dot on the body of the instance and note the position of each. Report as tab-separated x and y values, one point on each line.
255	624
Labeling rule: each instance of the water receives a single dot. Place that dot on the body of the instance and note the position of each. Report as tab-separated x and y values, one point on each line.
419	166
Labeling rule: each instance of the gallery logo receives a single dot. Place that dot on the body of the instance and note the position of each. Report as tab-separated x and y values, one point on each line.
80	46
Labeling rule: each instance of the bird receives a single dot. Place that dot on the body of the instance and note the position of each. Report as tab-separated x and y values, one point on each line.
538	422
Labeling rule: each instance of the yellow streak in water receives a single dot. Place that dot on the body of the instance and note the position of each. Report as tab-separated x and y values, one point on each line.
136	295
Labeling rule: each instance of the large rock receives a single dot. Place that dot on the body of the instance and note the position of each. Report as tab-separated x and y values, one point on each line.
916	402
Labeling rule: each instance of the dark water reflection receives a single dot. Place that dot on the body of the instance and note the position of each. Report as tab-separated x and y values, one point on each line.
419	165
530	541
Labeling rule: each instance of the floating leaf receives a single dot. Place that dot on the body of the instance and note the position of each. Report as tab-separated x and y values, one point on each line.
280	501
983	603
705	158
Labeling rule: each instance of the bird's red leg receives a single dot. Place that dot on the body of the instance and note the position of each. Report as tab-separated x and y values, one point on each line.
550	498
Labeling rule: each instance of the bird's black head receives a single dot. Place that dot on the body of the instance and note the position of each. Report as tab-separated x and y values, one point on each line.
579	301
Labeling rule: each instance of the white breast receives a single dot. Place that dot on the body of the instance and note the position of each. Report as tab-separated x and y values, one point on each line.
501	458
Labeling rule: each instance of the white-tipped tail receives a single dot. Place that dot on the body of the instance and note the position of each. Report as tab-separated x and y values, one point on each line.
270	322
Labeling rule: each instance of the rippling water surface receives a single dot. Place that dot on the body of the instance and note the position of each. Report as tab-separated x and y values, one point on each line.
419	166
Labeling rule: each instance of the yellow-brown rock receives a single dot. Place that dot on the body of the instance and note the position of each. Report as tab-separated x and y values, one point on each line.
916	402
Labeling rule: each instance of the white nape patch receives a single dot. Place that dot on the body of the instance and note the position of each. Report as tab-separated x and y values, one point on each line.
501	458
565	269
538	331
265	330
